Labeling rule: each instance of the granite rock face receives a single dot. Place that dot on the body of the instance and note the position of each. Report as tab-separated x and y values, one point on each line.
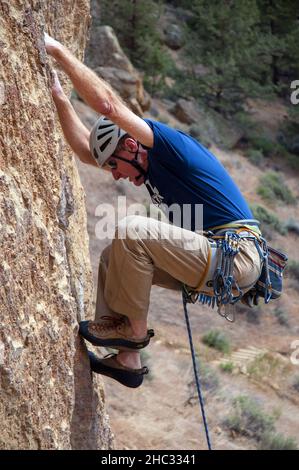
48	399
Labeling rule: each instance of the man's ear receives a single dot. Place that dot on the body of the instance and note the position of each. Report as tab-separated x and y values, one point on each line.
130	144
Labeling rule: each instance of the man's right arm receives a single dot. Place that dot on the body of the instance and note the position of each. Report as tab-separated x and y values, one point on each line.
98	94
76	134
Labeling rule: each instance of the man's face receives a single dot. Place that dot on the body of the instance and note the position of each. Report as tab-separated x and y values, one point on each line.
124	169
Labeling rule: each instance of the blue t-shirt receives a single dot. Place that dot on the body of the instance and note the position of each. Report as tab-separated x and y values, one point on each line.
181	171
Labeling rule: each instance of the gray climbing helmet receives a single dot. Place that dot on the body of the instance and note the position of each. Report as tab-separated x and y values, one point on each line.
104	138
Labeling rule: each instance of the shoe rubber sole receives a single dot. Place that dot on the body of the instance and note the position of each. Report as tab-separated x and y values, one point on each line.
130	378
116	343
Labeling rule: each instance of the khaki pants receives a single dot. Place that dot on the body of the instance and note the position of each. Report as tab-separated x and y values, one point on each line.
148	252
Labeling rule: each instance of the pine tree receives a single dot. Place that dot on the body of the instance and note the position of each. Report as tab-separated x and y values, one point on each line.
279	22
224	39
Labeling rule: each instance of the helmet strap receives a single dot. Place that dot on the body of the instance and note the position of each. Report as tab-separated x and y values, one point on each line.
134	163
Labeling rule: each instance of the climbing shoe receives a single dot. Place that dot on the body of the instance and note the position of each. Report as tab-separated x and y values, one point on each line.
114	333
110	367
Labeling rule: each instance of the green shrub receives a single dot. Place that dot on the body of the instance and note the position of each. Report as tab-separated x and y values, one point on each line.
277	441
255	142
249	419
293	269
292	161
292	225
295	384
227	367
268	219
288	135
272	187
263	366
216	339
246	124
264	145
281	316
255	156
209	378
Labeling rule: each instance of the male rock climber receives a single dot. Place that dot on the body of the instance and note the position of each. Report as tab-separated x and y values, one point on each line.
176	169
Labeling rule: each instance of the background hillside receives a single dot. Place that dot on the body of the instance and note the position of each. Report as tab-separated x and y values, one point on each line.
222	73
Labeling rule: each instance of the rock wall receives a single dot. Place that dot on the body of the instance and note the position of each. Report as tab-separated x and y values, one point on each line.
47	397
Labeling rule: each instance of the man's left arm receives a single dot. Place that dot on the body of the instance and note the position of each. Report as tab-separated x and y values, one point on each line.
76	134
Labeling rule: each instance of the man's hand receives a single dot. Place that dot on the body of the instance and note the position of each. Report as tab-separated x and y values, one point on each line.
51	44
57	91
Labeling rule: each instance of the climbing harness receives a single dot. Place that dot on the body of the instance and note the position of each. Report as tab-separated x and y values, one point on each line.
226	291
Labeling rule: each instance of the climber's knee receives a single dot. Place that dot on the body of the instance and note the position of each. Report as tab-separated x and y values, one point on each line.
133	227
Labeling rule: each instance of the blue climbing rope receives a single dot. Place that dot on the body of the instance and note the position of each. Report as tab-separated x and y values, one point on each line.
196	373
